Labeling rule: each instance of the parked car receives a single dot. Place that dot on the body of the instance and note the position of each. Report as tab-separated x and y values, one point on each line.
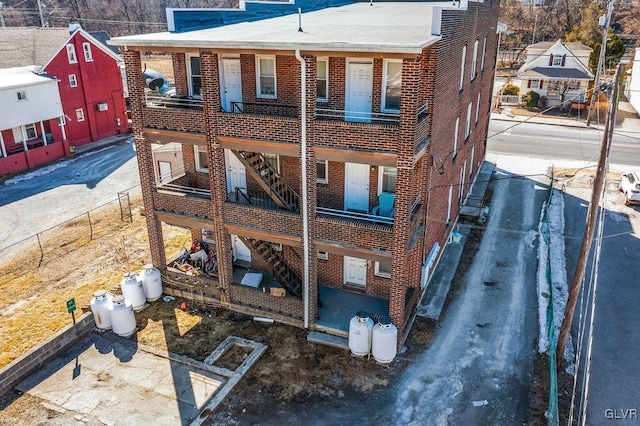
630	186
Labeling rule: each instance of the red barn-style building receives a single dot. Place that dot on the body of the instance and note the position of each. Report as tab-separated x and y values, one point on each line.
91	88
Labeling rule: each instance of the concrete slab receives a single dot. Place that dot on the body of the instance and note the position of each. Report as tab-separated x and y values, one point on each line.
328	339
117	383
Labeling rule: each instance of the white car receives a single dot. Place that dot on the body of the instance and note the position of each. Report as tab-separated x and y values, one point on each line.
630	186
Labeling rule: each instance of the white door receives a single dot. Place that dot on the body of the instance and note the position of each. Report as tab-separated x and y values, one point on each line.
17	134
355	271
164	167
236	176
240	250
231	84
359	90
356	187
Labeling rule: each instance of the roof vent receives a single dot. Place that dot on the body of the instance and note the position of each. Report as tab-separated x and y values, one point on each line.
300	20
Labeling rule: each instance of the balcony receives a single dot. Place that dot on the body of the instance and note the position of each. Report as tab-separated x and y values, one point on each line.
264	108
174	101
177	113
379	118
180	197
353	228
354	217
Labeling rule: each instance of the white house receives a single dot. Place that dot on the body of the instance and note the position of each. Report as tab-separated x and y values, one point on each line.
632	88
31	108
557	71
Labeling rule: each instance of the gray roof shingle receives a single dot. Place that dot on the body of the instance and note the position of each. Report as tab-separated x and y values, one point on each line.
22	46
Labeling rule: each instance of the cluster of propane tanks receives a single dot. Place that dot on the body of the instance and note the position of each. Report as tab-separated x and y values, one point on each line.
379	339
116	313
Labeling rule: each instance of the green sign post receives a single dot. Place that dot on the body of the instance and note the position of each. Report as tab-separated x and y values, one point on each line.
71	307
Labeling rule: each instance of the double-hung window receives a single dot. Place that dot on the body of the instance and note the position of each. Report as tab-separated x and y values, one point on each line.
73	81
323	80
392	86
31	131
202	160
464	58
478	108
484	52
266	76
388	177
474	60
71	54
22	95
322	171
383	269
467	130
80	115
195	79
86	48
455	138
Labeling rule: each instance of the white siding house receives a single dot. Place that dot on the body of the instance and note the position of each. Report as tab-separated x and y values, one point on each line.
27	100
557	71
632	89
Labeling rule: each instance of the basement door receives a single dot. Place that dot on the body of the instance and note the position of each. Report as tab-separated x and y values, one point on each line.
236	175
240	250
230	84
355	271
359	91
356	187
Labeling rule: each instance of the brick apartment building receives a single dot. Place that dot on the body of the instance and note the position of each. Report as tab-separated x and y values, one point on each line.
331	160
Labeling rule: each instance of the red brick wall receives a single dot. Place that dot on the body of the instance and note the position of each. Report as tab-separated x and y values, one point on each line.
180	73
180	119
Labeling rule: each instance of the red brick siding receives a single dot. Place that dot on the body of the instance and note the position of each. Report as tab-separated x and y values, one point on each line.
182	120
282	221
262	127
362	136
180	73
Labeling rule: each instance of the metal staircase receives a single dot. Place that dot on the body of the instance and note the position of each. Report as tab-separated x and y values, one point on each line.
269	179
281	271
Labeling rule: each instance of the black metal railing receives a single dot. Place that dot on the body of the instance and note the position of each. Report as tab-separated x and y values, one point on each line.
257	108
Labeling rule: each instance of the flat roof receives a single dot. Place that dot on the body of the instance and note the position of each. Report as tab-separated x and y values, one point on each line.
359	27
22	76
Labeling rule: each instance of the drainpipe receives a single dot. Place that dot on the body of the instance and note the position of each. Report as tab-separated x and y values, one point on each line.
305	213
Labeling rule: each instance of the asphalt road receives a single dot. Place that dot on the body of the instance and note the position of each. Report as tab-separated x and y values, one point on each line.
559	142
613	393
38	200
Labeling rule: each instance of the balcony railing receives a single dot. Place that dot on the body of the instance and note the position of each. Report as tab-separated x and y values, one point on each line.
172	186
358	117
347	215
263	109
173	101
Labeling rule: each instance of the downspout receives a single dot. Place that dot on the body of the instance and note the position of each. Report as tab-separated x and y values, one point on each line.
303	160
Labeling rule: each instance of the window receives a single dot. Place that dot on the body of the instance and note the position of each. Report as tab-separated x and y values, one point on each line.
31	131
534	84
73	82
323	255
71	54
323	80
202	160
478	108
392	86
484	52
22	95
273	160
266	72
322	171
449	204
86	48
455	138
80	114
557	60
387	179
467	130
473	154
383	269
61	121
461	188
195	79
464	57
474	60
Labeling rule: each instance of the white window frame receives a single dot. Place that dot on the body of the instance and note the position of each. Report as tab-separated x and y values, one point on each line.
31	126
464	57
557	58
22	95
385	77
86	49
456	134
382	274
73	80
381	173
259	93
484	52
197	151
474	61
326	80
478	108
62	121
537	83
323	255
326	172
190	76
71	54
467	130
473	154
79	115
463	170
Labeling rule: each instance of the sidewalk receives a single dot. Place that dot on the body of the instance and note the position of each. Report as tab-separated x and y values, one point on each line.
629	124
111	140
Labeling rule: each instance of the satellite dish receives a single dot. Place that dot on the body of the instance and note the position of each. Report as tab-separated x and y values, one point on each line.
155	83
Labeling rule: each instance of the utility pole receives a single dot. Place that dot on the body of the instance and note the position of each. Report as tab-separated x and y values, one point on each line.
589	227
41	17
603	50
1	17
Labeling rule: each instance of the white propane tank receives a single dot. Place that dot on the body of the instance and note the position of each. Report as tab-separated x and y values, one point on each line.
132	290
151	282
360	330
384	344
100	309
123	320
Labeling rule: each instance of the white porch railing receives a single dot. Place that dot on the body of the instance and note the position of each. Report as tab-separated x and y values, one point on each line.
343	214
174	101
509	99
